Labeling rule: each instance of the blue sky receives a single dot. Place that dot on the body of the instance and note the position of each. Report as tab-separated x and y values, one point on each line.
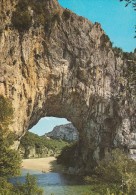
46	124
117	21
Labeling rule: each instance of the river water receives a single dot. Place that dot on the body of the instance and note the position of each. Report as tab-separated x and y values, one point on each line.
57	183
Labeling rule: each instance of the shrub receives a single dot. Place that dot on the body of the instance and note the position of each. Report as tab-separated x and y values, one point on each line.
23	5
66	14
6	111
5	187
21	20
118	51
67	156
118	171
30	187
9	159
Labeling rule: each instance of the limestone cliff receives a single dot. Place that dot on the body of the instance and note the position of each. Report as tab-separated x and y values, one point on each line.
65	132
68	68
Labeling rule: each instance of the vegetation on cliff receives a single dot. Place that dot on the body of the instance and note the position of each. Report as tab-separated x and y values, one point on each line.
10	160
42	145
30	12
21	19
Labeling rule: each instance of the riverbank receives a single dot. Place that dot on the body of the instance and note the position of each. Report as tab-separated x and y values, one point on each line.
48	164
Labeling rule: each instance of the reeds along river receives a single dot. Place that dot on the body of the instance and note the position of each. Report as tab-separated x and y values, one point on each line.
57	183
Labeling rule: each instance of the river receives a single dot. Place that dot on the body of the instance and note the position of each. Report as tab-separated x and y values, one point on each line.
57	183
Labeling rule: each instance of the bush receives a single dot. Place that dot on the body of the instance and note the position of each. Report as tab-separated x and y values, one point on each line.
118	51
5	187
116	171
67	156
9	159
30	187
6	111
66	14
23	5
21	20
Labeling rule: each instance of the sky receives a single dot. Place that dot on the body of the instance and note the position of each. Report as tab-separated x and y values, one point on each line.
117	21
47	124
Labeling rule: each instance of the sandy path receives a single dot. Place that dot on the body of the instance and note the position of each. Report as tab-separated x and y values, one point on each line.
48	164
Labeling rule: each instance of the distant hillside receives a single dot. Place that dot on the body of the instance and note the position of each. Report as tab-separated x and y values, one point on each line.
34	146
65	132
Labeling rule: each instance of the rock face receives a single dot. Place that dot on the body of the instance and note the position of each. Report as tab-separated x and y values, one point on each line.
31	152
69	69
66	132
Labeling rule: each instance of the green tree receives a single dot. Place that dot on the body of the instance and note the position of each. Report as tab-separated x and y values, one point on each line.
30	187
114	175
41	143
117	168
9	159
67	156
5	187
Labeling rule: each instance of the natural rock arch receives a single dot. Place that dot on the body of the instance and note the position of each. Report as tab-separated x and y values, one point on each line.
69	70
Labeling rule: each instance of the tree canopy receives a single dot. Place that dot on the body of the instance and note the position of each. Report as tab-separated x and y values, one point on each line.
10	161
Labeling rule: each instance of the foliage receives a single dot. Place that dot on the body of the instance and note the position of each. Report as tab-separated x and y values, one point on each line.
126	55
8	167
118	51
130	72
21	18
10	160
28	9
41	142
129	56
5	187
133	3
6	111
30	187
40	12
66	14
67	155
117	173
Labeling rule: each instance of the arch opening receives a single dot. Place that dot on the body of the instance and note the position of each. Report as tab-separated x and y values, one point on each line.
46	124
48	138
